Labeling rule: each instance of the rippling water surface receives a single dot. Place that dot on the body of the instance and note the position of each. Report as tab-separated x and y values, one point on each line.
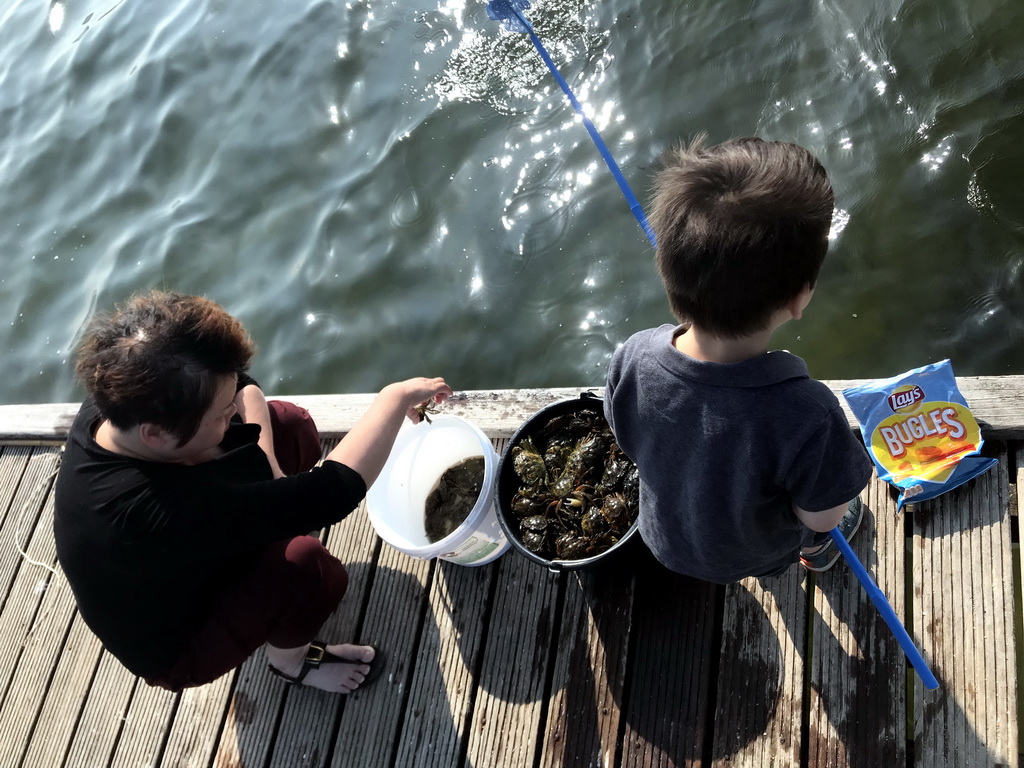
385	189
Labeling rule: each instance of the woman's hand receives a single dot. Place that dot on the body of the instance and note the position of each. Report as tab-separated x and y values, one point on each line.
418	392
367	445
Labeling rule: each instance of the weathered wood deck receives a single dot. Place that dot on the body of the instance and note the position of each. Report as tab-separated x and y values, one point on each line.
511	665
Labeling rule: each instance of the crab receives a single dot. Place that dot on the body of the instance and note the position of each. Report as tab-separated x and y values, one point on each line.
426	410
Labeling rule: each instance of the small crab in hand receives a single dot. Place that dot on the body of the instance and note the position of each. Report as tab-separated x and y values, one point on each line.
427	409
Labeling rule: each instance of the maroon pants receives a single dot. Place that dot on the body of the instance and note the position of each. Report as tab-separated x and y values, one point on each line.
285	594
296	440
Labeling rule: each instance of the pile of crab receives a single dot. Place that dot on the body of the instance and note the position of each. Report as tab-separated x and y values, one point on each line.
578	493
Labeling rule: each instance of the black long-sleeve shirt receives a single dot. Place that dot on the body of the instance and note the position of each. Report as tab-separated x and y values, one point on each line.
147	546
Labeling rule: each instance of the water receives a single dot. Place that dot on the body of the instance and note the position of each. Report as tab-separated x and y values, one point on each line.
387	189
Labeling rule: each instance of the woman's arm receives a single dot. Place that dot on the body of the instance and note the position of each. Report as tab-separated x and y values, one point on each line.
368	444
271	509
252	407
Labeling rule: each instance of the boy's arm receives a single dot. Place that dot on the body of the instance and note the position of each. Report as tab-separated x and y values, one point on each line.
821	522
831	465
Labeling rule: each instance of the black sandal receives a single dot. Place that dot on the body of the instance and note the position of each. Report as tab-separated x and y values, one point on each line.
318	654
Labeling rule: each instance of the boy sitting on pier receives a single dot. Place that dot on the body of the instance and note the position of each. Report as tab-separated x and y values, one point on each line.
745	461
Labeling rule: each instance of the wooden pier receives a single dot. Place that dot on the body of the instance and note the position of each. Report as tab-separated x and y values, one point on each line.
510	665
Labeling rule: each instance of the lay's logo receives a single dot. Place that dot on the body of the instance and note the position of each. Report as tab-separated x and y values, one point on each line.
904	398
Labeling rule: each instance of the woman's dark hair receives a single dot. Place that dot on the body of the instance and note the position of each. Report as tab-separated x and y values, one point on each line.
742	228
158	358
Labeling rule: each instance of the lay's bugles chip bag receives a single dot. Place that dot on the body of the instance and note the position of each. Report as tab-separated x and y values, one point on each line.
919	431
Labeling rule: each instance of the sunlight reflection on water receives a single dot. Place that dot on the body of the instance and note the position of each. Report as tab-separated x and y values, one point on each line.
382	189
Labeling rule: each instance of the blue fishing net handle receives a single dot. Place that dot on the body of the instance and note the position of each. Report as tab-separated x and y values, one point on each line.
916	659
634	204
508	11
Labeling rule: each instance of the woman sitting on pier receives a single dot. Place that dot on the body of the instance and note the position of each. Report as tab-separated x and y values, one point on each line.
183	499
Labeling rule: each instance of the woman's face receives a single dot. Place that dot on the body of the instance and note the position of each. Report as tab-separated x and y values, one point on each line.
214	423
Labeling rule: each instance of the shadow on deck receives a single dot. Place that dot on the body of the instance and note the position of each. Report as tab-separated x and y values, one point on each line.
511	665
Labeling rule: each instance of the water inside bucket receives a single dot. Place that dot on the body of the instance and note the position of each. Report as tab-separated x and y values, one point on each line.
453	498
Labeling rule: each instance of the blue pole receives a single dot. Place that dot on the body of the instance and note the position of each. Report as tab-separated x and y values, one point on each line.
634	204
506	10
887	612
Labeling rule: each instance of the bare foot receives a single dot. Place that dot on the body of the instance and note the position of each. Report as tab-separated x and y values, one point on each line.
338	677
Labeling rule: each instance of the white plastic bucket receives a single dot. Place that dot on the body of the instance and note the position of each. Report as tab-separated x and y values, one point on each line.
396	502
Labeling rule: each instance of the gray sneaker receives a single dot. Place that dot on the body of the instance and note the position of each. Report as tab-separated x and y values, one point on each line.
826	557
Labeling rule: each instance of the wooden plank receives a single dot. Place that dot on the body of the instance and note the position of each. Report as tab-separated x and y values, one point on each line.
58	716
1016	450
13	460
195	730
963	571
442	692
251	721
991	553
371	718
523	624
674	652
760	684
858	670
993	399
26	474
995	402
37	422
29	526
103	714
149	715
584	712
40	613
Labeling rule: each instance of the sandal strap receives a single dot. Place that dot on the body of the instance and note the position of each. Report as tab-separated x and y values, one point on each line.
315	656
318	654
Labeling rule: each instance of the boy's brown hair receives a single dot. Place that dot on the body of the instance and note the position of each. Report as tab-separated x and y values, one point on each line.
157	359
742	227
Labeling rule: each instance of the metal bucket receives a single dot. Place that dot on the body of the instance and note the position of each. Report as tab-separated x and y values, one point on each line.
508	483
